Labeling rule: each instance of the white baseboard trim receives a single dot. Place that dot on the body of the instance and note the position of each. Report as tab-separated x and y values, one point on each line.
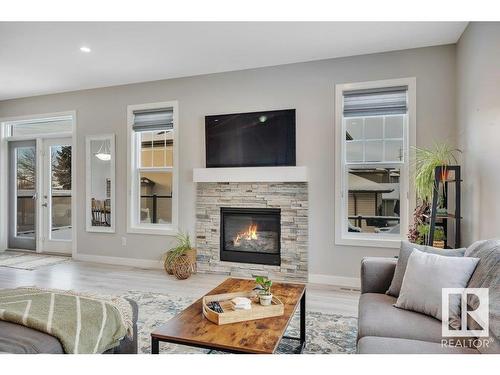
131	262
351	282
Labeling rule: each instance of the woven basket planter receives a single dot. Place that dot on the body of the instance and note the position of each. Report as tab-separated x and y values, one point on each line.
183	266
168	266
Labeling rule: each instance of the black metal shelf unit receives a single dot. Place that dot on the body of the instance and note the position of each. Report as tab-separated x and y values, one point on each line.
443	177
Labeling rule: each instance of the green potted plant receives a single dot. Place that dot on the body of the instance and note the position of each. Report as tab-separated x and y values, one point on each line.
439	237
265	296
180	260
426	161
423	234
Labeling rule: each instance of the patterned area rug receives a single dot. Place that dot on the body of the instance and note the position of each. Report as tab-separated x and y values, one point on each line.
30	262
326	333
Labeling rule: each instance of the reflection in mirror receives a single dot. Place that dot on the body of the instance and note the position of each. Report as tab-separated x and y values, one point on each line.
100	183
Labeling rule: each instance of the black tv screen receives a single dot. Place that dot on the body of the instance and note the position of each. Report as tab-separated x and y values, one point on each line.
256	139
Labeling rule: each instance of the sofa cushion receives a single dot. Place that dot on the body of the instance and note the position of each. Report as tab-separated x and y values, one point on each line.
426	276
378	317
18	339
405	252
388	345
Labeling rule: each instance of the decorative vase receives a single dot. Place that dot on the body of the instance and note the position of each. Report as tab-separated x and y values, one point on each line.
265	299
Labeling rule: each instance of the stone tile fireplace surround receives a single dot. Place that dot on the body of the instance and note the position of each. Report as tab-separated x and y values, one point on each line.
292	200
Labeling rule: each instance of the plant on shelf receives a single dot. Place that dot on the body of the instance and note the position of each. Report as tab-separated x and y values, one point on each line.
181	259
423	234
441	209
426	161
265	296
439	237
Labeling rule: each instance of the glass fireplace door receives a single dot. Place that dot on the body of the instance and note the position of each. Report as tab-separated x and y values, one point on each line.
250	235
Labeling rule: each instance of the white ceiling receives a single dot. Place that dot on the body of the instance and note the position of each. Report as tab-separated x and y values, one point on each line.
42	58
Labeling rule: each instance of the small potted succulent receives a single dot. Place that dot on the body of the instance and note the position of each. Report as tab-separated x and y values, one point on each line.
441	210
264	285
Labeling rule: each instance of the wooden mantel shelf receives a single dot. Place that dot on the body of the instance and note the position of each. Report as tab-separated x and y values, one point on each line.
251	174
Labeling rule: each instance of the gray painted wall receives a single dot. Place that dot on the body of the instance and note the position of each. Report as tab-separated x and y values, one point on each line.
308	87
478	98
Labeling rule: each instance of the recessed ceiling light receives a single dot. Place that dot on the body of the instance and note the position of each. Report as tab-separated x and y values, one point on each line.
85	49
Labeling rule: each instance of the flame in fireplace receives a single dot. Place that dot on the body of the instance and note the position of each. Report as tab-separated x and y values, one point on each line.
249	234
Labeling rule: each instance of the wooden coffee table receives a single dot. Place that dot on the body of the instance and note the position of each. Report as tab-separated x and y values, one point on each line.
191	328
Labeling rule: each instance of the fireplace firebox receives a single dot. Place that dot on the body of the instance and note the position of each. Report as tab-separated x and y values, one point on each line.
250	235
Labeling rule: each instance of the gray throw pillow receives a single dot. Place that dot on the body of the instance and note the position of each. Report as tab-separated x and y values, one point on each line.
405	252
425	277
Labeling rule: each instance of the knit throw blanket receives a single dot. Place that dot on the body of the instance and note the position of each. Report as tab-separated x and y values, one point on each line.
83	323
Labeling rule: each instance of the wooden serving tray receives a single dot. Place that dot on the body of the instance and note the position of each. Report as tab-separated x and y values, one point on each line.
230	315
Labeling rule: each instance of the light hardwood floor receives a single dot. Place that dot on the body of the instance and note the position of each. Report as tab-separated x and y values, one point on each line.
109	279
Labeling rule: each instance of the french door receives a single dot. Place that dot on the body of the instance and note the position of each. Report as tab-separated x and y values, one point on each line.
41	195
56	197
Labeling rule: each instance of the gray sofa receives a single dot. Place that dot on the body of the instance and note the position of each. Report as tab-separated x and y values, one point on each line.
385	329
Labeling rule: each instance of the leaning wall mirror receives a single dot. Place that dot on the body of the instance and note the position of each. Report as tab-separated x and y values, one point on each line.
100	203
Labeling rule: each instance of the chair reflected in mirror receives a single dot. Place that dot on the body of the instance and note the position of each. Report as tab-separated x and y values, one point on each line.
101	213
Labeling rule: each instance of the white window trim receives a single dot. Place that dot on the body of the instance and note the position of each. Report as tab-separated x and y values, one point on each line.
132	204
407	191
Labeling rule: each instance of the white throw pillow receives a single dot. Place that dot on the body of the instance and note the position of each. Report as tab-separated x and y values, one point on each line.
426	275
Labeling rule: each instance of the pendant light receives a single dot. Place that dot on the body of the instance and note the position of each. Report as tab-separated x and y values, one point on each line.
103	154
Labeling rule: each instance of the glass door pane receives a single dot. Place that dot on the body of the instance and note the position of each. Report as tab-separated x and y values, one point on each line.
25	191
60	192
22	191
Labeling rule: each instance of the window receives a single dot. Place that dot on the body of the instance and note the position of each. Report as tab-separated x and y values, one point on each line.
40	127
153	171
374	129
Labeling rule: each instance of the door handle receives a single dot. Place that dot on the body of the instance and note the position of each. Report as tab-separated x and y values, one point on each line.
44	204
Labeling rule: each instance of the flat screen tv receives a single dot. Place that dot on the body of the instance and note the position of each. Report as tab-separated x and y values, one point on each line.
256	139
